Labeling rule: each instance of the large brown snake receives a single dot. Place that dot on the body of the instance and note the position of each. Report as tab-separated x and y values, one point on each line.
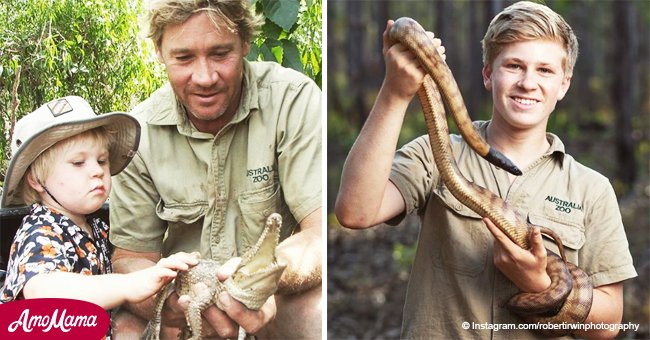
568	298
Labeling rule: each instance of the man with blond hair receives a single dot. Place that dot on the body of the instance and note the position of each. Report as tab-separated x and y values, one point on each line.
224	144
529	55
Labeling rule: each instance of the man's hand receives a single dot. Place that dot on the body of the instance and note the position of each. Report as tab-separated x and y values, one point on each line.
404	75
525	268
173	312
226	322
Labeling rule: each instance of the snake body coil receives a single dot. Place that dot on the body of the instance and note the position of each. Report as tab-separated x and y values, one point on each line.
568	299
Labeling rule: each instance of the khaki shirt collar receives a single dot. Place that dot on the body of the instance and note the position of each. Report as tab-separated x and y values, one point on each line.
169	110
556	151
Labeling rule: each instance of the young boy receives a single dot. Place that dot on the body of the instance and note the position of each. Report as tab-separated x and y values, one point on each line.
529	53
63	159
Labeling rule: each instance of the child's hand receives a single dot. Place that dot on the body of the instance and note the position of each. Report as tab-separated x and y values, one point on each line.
147	282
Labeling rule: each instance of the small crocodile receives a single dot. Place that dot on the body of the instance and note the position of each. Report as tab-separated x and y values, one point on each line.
253	282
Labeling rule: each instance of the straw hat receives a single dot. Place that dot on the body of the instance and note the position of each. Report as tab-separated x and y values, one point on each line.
55	121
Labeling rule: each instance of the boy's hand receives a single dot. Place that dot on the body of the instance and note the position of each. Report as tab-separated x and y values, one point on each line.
525	268
404	75
147	282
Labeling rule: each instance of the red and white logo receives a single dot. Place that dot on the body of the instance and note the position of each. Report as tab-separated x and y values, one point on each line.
52	319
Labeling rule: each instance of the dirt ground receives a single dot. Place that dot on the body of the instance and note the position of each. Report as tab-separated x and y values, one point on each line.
366	285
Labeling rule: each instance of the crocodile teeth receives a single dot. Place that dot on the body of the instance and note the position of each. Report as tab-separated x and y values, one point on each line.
257	276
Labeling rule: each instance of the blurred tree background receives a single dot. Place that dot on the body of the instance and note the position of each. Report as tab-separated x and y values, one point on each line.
97	49
604	122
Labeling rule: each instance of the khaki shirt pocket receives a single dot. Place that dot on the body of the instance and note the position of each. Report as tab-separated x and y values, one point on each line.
572	234
460	237
184	226
256	206
180	213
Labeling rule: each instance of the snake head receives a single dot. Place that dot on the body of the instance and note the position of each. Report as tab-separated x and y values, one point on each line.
402	27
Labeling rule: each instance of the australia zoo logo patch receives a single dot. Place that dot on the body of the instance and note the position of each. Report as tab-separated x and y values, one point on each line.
262	174
564	206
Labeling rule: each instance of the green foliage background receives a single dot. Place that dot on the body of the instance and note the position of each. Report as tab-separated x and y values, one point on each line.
69	47
96	49
291	35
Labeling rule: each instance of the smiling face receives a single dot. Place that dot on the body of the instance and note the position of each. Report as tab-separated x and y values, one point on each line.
205	69
78	177
527	80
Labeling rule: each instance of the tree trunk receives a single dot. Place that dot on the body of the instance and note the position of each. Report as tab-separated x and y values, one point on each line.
475	79
355	62
333	92
625	46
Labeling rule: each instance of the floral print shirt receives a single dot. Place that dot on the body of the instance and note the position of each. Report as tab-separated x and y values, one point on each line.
48	241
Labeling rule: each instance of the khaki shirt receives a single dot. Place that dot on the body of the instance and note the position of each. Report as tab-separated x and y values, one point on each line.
453	279
186	190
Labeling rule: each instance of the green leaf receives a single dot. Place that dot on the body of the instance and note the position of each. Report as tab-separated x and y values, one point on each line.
315	64
282	12
254	53
272	30
266	50
278	53
291	56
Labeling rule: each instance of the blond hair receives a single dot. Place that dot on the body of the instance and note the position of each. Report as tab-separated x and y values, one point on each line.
524	21
41	168
235	14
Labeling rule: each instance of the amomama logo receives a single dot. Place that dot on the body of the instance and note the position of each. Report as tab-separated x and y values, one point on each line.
52	319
